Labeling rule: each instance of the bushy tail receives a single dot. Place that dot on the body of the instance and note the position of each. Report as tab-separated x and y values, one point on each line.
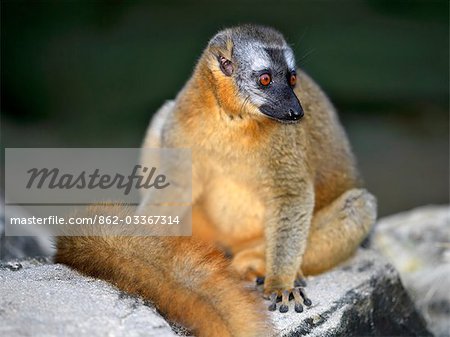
189	282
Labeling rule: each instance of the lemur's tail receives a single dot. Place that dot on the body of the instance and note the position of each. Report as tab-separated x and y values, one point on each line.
189	282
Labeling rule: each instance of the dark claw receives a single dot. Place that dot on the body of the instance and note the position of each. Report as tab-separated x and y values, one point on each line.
284	308
298	307
297	299
260	280
273	302
300	282
306	300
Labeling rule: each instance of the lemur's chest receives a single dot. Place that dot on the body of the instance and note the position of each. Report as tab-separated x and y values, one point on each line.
238	180
234	210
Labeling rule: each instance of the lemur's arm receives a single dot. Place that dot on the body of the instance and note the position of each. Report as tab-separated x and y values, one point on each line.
288	218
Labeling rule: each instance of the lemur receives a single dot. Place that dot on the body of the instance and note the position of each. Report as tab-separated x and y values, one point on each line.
274	181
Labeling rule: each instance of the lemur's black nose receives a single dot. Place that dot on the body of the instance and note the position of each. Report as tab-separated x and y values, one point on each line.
295	108
284	105
296	113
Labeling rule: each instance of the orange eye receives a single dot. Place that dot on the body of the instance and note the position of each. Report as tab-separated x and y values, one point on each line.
265	79
293	80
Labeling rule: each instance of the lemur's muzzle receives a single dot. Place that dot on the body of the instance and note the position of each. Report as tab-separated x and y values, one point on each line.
284	105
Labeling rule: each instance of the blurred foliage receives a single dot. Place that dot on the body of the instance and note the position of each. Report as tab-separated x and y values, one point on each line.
91	73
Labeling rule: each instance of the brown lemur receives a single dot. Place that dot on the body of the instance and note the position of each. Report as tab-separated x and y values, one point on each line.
274	182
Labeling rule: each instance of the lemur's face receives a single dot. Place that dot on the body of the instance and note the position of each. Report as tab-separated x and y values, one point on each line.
266	76
261	66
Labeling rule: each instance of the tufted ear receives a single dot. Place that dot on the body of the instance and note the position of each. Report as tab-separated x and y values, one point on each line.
221	46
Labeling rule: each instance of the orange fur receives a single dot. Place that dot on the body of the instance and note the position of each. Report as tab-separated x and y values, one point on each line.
188	281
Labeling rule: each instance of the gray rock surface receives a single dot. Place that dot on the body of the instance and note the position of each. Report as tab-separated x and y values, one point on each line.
362	297
16	247
417	243
40	299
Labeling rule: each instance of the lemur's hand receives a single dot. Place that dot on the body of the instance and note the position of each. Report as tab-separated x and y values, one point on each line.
296	293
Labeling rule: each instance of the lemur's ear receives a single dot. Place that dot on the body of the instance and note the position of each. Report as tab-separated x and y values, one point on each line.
221	47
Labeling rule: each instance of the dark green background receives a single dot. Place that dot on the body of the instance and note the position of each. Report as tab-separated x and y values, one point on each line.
91	73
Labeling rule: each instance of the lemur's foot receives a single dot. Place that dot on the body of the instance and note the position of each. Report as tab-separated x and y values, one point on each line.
297	294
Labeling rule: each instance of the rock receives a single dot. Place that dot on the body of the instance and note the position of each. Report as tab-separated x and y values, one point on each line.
40	299
362	297
417	243
17	247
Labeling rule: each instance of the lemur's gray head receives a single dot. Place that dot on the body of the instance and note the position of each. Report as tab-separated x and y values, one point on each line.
262	66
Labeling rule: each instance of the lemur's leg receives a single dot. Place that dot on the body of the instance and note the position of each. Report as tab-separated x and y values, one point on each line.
338	229
335	232
250	262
